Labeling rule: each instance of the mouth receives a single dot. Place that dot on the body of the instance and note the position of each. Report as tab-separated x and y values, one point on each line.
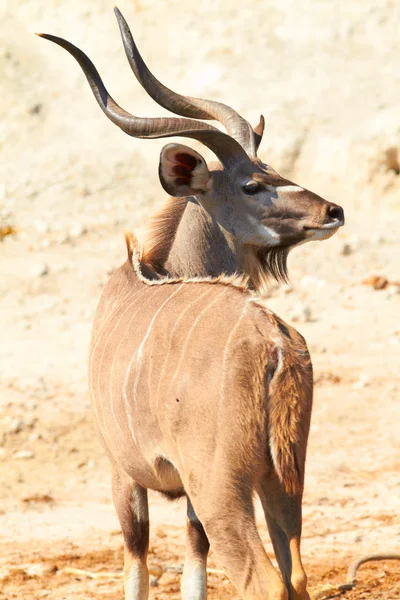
327	226
323	232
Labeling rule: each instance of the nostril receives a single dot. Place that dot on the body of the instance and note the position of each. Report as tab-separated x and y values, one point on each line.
336	212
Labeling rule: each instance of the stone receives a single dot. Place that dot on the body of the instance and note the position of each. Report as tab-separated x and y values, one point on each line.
346	250
362	382
23	454
77	230
39	270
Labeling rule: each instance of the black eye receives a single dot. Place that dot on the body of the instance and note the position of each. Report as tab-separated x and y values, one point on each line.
252	187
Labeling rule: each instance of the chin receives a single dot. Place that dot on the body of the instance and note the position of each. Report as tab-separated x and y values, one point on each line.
320	234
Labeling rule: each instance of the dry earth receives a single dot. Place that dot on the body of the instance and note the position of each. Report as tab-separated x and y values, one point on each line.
325	74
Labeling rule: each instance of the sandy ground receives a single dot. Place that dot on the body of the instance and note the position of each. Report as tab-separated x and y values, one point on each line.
326	77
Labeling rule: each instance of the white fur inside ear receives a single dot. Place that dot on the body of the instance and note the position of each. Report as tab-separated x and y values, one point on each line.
197	173
200	176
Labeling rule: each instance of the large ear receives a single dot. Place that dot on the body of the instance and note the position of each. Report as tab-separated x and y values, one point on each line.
183	171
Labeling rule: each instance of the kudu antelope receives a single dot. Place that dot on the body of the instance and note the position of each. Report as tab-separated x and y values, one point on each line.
197	388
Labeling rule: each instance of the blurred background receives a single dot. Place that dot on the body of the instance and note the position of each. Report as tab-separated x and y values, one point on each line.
326	77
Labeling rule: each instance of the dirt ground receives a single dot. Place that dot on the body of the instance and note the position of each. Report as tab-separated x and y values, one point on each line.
326	77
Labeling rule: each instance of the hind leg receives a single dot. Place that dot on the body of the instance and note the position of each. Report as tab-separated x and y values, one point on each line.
194	578
283	515
226	512
130	501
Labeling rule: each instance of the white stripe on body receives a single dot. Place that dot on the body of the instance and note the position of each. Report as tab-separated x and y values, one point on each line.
185	345
185	310
133	315
97	408
226	352
140	349
106	321
138	355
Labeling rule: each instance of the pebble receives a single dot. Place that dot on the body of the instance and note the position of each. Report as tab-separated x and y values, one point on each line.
39	270
346	250
38	569
23	454
77	230
362	382
41	226
16	426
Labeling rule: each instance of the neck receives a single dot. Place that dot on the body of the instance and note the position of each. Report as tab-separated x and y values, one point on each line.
201	248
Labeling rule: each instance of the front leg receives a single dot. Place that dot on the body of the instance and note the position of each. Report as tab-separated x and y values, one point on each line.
194	578
130	500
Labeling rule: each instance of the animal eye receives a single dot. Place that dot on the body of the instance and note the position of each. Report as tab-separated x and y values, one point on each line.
252	187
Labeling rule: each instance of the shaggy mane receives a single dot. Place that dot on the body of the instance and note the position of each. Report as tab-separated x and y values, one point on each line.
161	232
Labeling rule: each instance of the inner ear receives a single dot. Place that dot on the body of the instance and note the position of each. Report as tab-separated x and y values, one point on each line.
183	171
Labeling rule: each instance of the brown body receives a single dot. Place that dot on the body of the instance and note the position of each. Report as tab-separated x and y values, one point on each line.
181	410
197	388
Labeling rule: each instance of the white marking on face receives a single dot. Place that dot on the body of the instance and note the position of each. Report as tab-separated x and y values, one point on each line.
289	188
263	234
322	233
273	236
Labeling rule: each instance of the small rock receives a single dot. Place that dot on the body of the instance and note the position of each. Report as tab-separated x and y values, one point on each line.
38	570
40	226
35	109
77	230
39	270
346	250
378	282
16	426
23	454
153	581
362	382
63	238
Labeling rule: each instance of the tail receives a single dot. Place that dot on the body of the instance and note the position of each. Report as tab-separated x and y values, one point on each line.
290	403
